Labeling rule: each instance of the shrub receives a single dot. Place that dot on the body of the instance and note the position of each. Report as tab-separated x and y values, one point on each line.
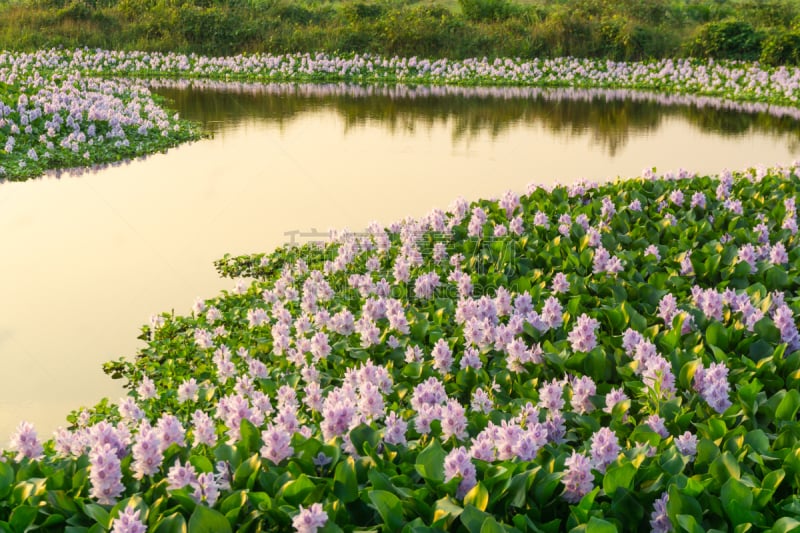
728	39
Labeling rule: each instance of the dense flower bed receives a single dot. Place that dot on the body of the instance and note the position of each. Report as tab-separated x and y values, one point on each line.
56	112
585	358
54	119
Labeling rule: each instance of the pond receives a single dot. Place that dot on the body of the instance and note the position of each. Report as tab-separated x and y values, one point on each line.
88	258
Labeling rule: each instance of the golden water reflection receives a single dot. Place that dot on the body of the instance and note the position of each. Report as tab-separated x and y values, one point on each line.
87	260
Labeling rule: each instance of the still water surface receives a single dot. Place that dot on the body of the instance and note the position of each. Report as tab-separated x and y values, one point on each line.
87	259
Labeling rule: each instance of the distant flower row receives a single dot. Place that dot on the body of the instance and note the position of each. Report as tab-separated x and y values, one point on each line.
731	79
56	113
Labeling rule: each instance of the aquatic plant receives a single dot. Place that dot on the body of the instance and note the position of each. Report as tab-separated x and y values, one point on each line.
63	108
439	374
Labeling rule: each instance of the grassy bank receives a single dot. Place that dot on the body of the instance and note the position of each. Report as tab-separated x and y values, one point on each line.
614	29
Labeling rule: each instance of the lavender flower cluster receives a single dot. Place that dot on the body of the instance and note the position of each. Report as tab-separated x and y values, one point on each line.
507	376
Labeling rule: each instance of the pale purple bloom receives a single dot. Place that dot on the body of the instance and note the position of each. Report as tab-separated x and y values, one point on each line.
713	386
425	285
396	427
560	283
471	359
763	232
605	448
146	389
309	520
320	348
552	313
204	431
747	254
687	269
667	309
698	200
442	356
635	206
556	427
188	391
481	402
578	479
105	474
582	337
458	463
540	219
171	431
206	489
613	397
659	519
656	423
652	250
600	260
127	521
147	452
25	442
630	340
657	375
784	321
687	444
180	476
583	389
778	255
551	395
454	420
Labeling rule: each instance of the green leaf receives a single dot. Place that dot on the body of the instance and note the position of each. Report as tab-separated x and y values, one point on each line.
362	434
389	507
776	278
478	497
596	525
205	520
789	405
737	500
6	480
688	523
725	467
345	484
445	511
22	517
295	491
430	462
202	464
717	335
490	525
98	514
786	524
618	476
174	523
679	503
473	518
250	439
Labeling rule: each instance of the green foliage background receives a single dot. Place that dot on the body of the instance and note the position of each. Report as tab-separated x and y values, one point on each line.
765	30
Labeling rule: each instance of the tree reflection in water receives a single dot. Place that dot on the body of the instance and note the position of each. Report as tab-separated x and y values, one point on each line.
609	116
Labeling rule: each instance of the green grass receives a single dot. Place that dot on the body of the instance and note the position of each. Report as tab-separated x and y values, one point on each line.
616	29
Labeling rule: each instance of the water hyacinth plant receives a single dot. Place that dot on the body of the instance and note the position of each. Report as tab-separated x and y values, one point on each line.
439	374
66	108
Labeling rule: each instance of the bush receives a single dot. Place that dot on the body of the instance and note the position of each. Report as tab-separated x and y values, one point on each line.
781	48
486	10
728	39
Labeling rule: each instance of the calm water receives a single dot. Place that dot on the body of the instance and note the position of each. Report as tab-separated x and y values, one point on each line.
87	259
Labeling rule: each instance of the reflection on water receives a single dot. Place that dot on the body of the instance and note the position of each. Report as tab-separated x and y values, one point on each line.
87	260
610	117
